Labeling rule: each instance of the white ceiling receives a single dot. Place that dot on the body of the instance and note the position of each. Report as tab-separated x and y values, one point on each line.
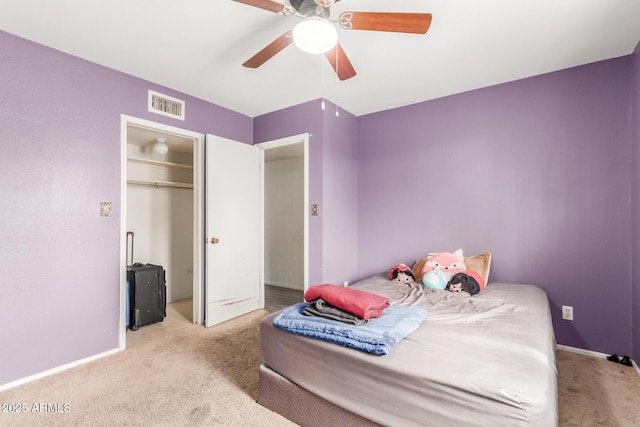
197	46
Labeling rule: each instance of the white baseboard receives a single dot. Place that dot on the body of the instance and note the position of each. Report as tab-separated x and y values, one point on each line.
34	377
581	351
593	354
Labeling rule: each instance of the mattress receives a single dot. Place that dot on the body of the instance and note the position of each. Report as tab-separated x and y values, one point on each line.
482	360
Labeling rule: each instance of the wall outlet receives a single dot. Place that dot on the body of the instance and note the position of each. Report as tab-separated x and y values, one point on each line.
346	283
567	312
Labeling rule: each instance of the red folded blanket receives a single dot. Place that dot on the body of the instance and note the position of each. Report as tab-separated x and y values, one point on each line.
363	304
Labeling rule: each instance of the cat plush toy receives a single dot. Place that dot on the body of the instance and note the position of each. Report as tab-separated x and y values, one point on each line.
441	267
401	273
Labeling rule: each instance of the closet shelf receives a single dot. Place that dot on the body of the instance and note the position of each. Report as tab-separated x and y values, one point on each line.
160	163
158	184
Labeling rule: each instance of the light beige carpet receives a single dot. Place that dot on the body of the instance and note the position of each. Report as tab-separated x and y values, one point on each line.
173	373
593	391
177	374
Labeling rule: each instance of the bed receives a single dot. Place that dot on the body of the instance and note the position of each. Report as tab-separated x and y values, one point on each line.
485	360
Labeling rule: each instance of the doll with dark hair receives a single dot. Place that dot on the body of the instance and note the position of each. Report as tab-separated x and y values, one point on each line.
401	273
464	284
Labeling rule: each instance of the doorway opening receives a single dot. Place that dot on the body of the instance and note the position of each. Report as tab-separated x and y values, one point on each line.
161	203
285	229
292	150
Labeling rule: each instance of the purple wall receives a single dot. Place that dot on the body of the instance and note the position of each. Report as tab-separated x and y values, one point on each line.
59	158
535	171
340	197
635	199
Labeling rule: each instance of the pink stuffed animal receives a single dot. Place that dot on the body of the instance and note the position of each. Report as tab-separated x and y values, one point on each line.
449	263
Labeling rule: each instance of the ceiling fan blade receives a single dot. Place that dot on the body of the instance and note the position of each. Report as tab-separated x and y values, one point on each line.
269	51
340	63
269	5
415	23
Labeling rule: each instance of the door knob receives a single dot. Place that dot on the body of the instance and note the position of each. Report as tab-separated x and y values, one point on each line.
214	240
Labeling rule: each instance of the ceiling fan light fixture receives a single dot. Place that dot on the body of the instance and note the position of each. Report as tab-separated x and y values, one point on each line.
315	35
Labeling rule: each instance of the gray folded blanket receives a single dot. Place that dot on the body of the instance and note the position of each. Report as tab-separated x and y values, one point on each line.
321	308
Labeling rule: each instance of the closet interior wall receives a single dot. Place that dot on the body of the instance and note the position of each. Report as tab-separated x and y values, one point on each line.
160	213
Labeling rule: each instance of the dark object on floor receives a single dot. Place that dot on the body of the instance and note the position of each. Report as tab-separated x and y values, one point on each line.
148	294
614	358
626	361
147	291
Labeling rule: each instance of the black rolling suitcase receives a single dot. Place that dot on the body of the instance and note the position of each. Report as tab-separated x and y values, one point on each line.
147	292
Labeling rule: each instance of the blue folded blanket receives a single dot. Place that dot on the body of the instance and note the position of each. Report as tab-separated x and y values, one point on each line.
377	337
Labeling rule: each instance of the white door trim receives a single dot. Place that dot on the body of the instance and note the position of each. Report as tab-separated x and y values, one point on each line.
289	140
198	211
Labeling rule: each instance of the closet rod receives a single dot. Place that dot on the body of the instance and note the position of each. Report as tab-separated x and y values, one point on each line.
158	184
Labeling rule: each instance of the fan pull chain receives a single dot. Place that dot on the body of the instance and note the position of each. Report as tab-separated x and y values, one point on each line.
337	73
322	84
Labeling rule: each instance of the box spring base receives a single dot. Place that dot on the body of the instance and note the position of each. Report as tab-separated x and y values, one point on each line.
300	406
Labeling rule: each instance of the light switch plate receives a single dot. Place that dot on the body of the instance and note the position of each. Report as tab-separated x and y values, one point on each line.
105	209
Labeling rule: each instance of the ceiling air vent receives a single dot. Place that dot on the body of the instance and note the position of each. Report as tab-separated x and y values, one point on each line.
166	105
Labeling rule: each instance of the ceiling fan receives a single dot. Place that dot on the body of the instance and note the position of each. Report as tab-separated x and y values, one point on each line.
316	13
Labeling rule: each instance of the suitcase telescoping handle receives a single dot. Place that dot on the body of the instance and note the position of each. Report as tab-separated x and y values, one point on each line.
129	233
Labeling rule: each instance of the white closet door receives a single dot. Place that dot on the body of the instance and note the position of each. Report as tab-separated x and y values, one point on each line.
233	229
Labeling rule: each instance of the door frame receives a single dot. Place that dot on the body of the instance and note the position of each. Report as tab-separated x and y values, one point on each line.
281	142
198	221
